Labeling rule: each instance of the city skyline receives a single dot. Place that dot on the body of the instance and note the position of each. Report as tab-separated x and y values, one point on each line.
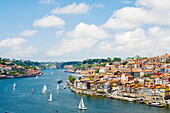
61	30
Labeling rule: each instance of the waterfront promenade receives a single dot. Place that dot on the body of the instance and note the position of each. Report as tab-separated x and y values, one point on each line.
130	97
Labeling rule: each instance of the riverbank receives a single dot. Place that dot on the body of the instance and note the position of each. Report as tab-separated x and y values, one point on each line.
130	97
20	76
69	71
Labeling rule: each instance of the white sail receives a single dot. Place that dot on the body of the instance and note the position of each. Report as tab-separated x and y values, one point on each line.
81	105
50	99
14	86
44	89
57	87
51	73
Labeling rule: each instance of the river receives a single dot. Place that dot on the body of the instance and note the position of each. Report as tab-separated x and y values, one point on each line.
21	100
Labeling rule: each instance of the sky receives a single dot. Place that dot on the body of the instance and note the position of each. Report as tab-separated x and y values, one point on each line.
69	30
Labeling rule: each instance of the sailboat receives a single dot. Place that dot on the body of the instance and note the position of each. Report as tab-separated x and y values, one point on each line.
14	86
32	91
57	87
51	73
44	89
36	77
81	105
50	99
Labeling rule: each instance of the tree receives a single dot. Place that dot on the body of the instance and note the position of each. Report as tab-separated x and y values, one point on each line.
79	78
42	67
89	66
22	72
124	63
85	61
130	58
2	62
90	61
97	70
12	73
71	79
116	59
109	59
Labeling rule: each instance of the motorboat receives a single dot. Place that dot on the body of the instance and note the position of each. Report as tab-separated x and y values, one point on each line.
59	80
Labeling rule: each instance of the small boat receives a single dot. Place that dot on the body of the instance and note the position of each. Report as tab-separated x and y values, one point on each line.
57	87
14	86
138	100
81	105
44	89
64	87
32	91
56	111
59	81
155	104
51	73
5	110
108	96
36	77
50	99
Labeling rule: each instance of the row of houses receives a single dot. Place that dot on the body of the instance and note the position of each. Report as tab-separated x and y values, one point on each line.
8	69
147	76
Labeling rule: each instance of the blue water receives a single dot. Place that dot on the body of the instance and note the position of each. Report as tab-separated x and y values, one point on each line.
23	101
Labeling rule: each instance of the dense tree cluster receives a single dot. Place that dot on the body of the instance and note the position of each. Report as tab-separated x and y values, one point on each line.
27	63
92	61
74	63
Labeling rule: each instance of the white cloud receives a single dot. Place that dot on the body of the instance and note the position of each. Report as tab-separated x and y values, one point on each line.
127	2
83	30
71	45
155	4
154	41
59	33
48	21
82	37
22	52
104	47
28	33
145	12
99	6
136	36
72	9
12	42
127	18
47	2
14	48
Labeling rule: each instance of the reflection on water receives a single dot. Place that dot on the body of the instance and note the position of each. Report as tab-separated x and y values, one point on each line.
82	111
50	103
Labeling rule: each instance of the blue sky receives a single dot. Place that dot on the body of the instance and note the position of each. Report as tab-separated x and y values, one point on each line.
64	30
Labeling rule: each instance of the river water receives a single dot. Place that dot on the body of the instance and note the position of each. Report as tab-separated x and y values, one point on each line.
21	100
